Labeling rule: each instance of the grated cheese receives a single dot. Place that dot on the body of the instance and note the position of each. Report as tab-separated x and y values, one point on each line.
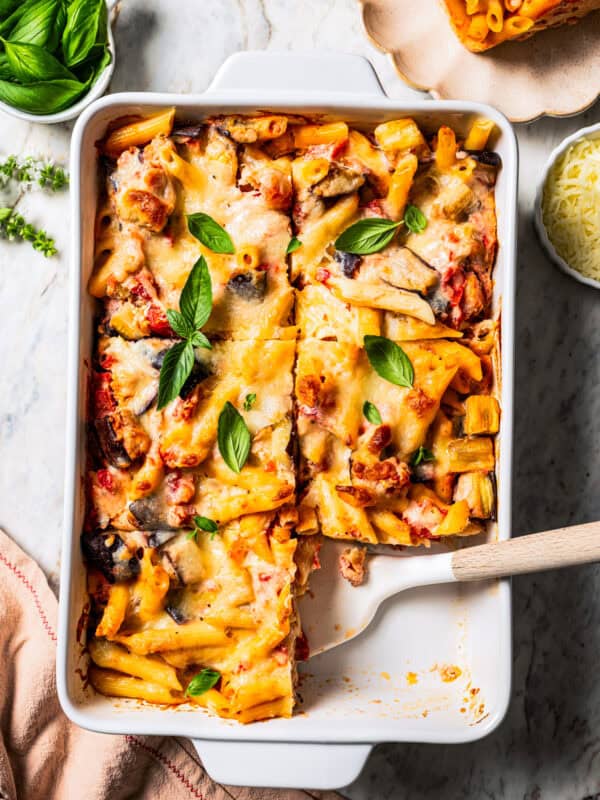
571	207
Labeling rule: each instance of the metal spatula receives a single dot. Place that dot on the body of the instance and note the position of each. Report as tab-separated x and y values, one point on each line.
334	611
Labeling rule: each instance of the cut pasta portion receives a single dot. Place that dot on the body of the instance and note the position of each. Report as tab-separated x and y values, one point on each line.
229	609
482	26
150	195
156	469
367	444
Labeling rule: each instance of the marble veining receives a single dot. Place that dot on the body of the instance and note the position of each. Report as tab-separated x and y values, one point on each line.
548	748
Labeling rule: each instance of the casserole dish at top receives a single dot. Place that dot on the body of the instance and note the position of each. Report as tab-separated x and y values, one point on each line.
369	690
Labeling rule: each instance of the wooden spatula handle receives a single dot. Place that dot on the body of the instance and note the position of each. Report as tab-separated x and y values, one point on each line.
563	547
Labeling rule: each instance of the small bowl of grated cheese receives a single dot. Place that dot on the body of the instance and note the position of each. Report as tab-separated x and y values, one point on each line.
567	206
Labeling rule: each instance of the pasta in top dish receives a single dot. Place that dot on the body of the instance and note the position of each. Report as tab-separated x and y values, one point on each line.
295	341
482	24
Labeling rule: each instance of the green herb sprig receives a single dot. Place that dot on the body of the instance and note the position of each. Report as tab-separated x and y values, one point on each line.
203	524
14	227
195	306
33	170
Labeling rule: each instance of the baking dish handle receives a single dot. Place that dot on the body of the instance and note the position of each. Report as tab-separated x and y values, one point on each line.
297	73
284	765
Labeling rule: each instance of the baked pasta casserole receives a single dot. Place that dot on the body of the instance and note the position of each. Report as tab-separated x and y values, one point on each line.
482	24
294	341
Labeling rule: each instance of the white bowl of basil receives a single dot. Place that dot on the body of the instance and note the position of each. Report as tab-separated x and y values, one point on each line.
56	57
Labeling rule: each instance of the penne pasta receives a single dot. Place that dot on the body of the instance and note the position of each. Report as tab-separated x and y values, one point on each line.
139	133
294	341
311	135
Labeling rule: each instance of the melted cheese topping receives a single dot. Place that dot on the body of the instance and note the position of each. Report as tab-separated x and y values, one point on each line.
288	353
571	207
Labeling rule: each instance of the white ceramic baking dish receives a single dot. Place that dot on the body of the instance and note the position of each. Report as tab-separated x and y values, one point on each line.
387	684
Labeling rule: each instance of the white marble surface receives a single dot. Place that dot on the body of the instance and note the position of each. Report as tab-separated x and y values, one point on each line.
549	746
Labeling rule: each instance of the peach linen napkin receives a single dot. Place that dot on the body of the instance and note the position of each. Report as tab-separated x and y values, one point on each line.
43	756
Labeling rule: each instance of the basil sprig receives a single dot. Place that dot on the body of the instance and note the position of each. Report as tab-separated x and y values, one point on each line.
367	236
249	401
295	244
205	524
389	360
422	454
233	438
210	233
202	682
53	52
195	304
371	413
414	219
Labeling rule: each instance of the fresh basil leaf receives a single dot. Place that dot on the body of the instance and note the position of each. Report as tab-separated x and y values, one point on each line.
37	23
249	401
14	16
367	236
176	367
422	454
371	413
5	213
199	340
389	360
30	63
210	233
233	438
84	19
44	97
6	73
196	296
94	65
7	7
179	324
295	244
60	20
202	682
206	524
414	219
